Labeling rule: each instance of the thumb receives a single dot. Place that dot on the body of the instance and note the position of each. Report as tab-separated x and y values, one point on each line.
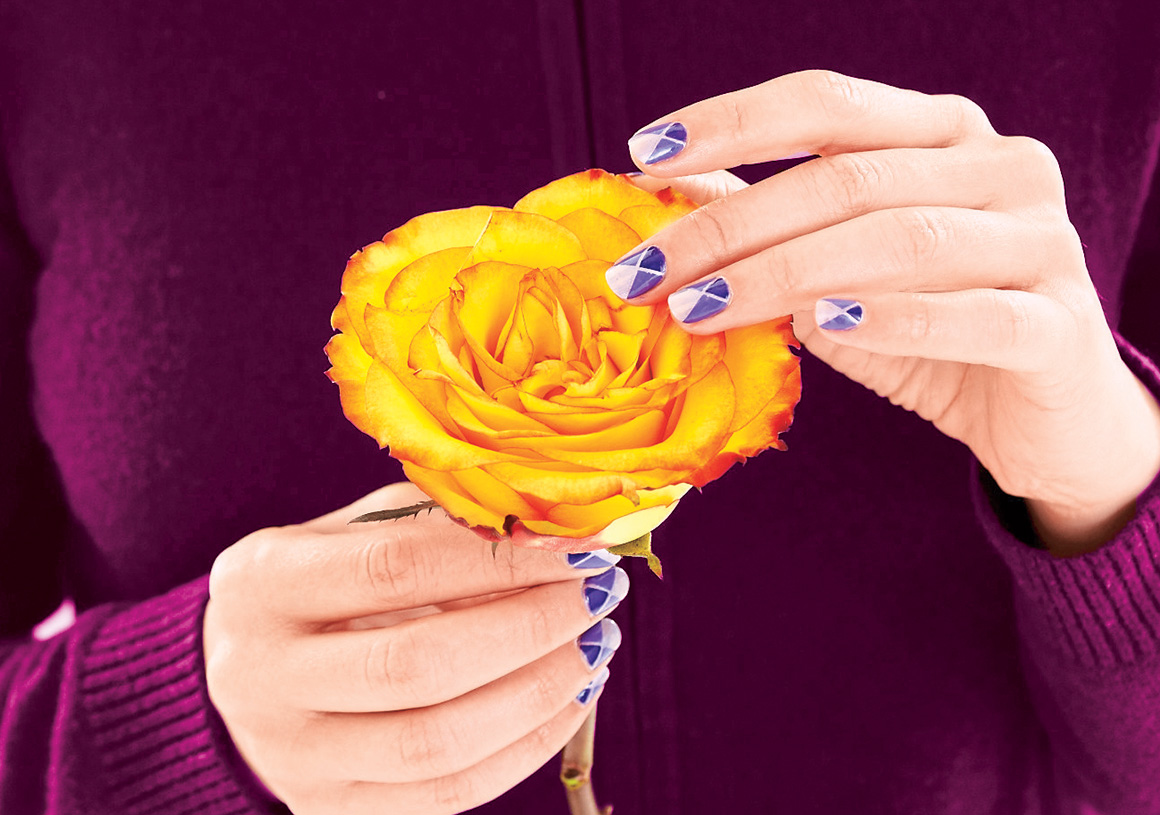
702	188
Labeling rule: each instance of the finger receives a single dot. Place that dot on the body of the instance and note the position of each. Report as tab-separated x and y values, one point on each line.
811	112
442	740
315	580
1013	330
433	659
909	249
392	496
467	789
825	192
701	188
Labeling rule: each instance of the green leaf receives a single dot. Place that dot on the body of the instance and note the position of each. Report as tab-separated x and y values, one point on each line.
641	547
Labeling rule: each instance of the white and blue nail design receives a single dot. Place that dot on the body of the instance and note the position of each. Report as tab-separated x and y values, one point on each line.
659	142
603	591
593	687
634	274
700	301
835	314
596	559
599	643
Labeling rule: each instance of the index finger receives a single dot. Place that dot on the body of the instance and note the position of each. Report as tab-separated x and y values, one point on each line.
799	114
311	578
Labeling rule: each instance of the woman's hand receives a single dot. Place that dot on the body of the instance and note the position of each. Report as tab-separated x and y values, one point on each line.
401	667
939	261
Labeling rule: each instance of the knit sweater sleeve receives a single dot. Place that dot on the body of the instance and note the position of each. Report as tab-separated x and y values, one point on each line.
113	716
1090	638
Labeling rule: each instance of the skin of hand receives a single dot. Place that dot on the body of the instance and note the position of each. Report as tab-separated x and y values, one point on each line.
954	243
398	666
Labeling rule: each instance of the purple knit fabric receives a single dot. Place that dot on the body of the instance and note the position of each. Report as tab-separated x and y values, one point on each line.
861	624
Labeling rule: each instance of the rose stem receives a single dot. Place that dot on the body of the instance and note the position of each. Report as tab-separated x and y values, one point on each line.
576	770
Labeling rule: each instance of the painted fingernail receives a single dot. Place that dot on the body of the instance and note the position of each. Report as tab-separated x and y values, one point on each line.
596	559
799	154
700	301
593	687
659	142
599	643
835	314
634	274
634	174
603	591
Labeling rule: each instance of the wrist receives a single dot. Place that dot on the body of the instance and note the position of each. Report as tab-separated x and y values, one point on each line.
1128	463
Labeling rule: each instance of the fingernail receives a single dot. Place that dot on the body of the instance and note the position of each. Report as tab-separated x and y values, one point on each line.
593	687
596	559
800	154
834	314
700	301
657	143
603	591
599	643
634	174
634	274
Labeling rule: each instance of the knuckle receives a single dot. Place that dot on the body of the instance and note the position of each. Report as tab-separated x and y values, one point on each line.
546	691
736	115
391	571
967	115
786	272
926	233
1012	323
838	95
455	793
920	324
711	230
398	664
850	181
428	747
1035	153
540	627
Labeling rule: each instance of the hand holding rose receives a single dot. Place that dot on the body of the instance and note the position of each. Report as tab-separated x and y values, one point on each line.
403	667
922	255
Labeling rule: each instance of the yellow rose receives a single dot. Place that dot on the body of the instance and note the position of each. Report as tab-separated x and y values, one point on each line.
484	348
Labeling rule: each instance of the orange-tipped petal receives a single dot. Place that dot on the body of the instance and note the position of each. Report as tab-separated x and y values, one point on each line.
589	188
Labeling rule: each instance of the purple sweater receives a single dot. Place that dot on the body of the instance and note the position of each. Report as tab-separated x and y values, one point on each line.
180	186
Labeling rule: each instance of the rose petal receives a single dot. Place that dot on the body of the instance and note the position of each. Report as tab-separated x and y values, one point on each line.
602	236
701	431
558	486
589	188
349	367
759	360
371	269
526	239
454	498
647	221
400	421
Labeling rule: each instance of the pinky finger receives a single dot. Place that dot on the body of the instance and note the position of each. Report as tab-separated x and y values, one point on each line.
1015	330
476	785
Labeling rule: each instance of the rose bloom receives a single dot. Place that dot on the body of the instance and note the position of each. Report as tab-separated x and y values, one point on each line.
485	349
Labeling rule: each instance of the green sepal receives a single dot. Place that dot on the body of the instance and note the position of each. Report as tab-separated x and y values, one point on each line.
641	547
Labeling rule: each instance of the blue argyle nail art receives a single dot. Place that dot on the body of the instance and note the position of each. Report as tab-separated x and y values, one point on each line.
834	314
634	274
597	559
605	590
599	643
659	142
700	301
593	687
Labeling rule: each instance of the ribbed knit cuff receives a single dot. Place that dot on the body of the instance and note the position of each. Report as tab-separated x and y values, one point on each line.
162	747
1099	609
